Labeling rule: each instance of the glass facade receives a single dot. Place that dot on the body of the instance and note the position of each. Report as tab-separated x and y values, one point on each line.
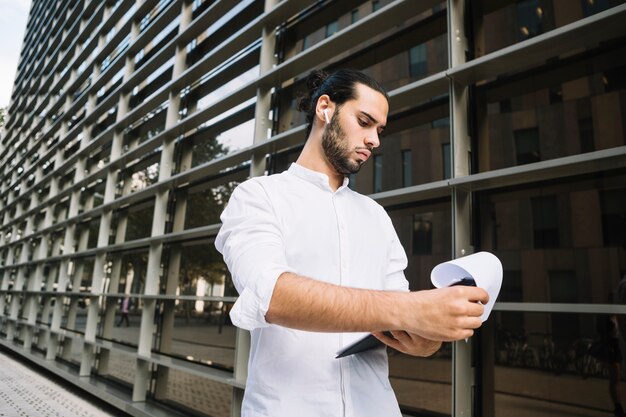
132	122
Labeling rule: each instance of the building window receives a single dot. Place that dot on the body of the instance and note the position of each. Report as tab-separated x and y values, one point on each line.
527	146
512	288
443	122
529	19
422	235
438	8
352	181
190	46
332	28
613	203
407	168
613	79
545	222
505	105
378	173
585	131
418	66
556	94
375	5
591	7
354	16
447	160
564	289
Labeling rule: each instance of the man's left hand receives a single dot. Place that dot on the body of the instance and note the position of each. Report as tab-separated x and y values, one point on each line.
409	343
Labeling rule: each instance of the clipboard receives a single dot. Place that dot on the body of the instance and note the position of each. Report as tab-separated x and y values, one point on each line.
363	344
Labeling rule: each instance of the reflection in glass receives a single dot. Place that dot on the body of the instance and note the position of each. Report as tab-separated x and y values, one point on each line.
613	206
133	273
120	368
591	7
423	385
127	320
197	394
410	157
203	333
545	222
560	242
527	146
192	326
138	220
529	18
418	63
378	173
422	234
407	168
203	203
571	108
538	369
446	156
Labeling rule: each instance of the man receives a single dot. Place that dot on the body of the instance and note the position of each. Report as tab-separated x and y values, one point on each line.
313	260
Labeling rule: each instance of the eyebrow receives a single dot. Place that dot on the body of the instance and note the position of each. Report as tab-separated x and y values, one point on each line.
372	119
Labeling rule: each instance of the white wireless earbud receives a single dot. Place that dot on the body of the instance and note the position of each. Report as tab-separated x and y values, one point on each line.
326	116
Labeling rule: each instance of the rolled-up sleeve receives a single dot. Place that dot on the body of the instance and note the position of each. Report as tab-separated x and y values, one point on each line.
253	248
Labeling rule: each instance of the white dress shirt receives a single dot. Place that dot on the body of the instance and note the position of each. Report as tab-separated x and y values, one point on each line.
294	222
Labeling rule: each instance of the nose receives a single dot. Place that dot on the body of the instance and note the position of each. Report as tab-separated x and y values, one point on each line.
373	140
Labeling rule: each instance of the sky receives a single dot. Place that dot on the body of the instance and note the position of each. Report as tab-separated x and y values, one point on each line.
13	17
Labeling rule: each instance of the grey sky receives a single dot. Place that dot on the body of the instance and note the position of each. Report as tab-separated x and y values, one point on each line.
13	16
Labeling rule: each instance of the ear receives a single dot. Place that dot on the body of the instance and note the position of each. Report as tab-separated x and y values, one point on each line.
324	109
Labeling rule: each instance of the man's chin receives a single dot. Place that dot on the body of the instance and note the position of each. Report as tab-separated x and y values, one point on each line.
348	167
352	170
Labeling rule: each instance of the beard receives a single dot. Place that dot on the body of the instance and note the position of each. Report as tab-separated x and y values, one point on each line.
336	150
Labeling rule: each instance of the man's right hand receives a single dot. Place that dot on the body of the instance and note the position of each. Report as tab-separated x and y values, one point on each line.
444	314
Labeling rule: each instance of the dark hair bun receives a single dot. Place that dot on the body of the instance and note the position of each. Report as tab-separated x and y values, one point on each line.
313	82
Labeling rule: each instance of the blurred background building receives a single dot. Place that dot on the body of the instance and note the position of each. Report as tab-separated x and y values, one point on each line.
132	121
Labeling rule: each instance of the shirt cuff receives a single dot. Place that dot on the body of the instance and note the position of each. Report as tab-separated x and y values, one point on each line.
250	309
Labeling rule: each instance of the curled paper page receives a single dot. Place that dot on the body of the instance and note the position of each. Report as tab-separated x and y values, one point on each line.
483	267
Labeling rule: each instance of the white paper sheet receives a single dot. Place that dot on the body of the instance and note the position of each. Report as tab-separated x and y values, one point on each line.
484	267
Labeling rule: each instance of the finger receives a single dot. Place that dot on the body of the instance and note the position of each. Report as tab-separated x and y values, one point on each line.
475	309
389	341
471	323
401	335
418	338
383	337
465	334
458	334
477	294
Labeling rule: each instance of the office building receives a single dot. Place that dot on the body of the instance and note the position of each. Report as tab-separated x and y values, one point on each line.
132	121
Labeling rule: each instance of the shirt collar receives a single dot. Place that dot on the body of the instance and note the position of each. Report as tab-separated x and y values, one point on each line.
315	177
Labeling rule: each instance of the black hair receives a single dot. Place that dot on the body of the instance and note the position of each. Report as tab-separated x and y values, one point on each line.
340	86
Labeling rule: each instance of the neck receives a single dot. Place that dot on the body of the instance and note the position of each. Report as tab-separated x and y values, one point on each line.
313	158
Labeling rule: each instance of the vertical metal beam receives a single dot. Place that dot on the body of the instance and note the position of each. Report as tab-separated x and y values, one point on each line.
242	354
98	278
262	122
112	178
462	373
15	299
159	219
173	274
32	300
